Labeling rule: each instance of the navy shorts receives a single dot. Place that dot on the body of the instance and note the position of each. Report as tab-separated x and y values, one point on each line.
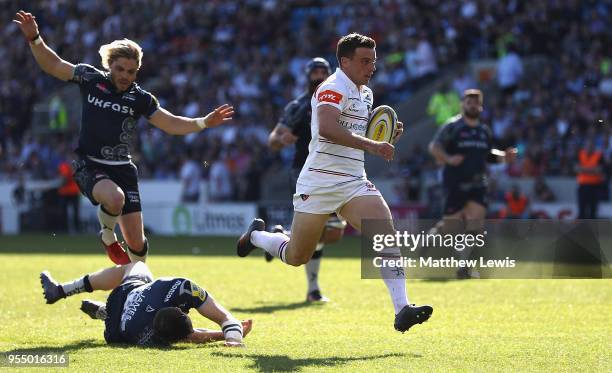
87	173
455	198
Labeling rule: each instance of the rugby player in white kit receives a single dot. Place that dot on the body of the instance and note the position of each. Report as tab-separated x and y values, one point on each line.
333	178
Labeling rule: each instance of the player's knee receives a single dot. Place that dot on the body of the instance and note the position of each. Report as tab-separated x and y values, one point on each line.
298	259
115	201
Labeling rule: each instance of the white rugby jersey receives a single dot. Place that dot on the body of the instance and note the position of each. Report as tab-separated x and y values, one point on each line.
328	163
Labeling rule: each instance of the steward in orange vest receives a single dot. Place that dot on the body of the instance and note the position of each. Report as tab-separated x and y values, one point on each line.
68	193
516	204
590	178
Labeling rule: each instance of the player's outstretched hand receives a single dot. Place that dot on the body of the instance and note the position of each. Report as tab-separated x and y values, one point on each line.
27	24
399	130
382	149
247	325
219	116
510	155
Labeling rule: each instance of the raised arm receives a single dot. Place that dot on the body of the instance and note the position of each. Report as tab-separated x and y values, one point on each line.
177	125
46	58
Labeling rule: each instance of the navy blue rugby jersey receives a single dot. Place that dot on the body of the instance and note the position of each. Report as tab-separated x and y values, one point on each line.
109	117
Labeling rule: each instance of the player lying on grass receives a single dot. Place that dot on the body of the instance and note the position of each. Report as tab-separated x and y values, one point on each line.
143	311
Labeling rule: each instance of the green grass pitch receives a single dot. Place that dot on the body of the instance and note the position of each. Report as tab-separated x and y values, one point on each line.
477	325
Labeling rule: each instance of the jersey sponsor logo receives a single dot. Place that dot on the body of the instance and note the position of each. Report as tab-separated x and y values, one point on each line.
109	105
149	308
197	292
132	303
330	96
133	196
172	290
356	127
103	88
304	197
473	144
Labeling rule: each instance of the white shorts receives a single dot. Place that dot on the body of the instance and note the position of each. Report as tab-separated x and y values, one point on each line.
326	200
138	270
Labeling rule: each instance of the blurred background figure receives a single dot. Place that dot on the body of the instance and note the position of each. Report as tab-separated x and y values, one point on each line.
517	204
69	195
590	178
190	175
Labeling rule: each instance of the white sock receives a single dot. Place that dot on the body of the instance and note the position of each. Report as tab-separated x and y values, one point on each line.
395	279
274	243
142	255
107	223
77	286
232	330
312	271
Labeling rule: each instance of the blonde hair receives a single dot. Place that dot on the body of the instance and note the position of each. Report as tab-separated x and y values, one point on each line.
125	48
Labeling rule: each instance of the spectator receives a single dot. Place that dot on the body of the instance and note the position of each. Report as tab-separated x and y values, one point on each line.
509	71
517	204
220	184
69	195
590	180
463	81
190	175
444	104
542	191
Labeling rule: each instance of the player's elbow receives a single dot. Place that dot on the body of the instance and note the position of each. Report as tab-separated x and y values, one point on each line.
432	148
326	131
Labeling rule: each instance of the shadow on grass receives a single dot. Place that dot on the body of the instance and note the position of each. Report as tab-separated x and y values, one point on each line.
96	343
273	307
78	345
438	279
284	363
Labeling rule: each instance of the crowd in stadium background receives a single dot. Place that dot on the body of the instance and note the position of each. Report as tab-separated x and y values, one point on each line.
252	54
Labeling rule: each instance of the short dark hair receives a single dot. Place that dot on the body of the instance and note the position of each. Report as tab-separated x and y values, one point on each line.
170	325
349	43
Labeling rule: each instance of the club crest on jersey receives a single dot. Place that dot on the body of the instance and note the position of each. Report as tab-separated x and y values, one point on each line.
128	96
329	96
103	88
109	105
354	108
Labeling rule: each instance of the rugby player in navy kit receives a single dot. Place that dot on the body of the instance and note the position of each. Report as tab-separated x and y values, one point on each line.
464	146
294	128
143	311
112	103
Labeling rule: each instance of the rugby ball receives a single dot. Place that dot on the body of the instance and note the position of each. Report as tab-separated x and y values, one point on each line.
382	124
